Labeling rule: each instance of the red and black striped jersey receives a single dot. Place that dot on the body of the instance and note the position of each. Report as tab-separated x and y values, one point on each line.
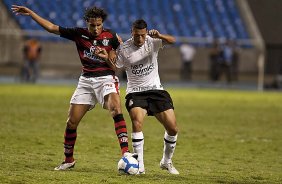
92	66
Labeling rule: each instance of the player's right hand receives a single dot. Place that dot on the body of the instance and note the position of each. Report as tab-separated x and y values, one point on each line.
20	10
154	33
101	52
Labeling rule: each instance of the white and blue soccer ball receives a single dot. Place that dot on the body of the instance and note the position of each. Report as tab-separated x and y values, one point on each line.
128	165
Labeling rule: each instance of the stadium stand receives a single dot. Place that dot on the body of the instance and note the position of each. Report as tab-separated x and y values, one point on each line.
183	18
197	22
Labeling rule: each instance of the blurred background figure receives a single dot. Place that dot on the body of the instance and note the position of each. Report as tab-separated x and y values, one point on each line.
228	61
187	52
235	60
30	68
224	60
214	59
277	80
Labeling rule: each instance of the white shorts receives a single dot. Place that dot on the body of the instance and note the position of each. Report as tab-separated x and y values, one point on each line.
93	90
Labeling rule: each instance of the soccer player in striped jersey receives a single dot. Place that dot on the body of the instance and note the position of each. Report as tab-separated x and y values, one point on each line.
97	83
145	93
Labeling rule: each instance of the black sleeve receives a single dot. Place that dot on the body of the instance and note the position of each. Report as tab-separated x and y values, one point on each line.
68	33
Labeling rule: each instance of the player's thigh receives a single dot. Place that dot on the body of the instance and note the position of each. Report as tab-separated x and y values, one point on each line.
112	101
168	119
137	115
83	93
107	91
76	112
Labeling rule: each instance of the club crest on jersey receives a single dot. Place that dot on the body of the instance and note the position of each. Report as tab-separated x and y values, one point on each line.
130	103
105	42
95	42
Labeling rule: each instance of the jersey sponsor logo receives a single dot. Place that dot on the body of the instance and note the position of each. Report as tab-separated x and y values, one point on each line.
105	42
92	49
90	54
145	88
140	70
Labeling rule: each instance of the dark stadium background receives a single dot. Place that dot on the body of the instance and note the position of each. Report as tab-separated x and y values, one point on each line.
253	24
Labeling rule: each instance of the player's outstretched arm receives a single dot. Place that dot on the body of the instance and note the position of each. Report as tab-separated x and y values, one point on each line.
47	25
168	39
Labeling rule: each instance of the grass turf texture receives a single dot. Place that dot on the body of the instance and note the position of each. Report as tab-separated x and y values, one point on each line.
225	137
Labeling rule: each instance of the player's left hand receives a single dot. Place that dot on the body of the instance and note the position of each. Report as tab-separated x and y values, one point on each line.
20	10
154	33
112	56
101	52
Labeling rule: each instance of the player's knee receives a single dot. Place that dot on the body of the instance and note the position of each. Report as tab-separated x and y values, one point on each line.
172	131
114	111
71	123
137	126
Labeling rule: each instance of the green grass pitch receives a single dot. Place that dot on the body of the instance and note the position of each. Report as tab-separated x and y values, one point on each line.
225	137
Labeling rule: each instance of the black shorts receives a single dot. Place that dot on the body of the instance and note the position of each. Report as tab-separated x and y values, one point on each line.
154	101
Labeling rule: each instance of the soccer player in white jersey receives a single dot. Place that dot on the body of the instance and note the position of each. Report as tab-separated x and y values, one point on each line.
145	94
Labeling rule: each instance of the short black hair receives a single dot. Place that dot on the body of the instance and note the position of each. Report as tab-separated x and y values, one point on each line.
95	12
139	24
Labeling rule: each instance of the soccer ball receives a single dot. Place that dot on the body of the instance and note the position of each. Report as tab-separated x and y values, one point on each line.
128	165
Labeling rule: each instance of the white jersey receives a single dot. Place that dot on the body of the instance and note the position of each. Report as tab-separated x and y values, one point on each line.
140	64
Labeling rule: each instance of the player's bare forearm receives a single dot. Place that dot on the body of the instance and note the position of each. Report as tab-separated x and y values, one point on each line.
111	64
47	25
168	39
112	59
109	58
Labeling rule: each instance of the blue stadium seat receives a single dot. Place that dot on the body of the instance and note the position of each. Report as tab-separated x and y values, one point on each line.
211	19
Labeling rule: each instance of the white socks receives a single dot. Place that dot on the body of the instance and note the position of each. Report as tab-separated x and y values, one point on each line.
169	147
138	143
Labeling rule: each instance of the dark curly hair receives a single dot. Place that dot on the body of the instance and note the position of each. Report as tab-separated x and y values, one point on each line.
95	12
139	24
